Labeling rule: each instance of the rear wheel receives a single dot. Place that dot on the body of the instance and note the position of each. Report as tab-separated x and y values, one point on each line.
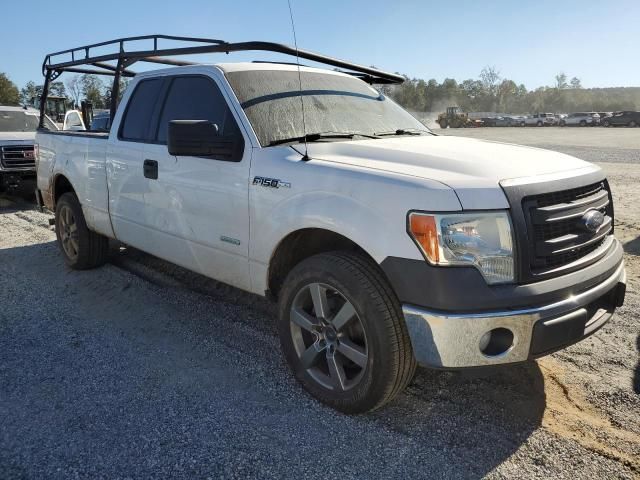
343	333
540	124
81	248
443	124
583	123
606	123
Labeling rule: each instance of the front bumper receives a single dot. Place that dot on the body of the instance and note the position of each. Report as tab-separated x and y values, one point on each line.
451	340
17	180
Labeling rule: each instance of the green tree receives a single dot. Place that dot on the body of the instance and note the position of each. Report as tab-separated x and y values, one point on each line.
575	83
561	81
29	93
74	87
92	90
9	93
57	89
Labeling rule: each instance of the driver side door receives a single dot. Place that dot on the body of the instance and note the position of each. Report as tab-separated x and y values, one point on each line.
197	208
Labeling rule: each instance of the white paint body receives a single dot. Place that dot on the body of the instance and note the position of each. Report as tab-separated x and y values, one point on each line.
359	189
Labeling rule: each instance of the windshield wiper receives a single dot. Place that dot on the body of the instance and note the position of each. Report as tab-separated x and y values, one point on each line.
402	131
314	137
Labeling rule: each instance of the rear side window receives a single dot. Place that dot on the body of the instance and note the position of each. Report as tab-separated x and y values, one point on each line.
196	98
135	125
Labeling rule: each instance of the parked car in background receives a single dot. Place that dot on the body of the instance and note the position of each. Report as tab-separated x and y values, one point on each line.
488	121
560	117
100	121
627	118
581	119
503	122
17	152
540	120
517	121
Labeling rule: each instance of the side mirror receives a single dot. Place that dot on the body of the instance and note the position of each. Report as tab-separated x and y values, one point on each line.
201	138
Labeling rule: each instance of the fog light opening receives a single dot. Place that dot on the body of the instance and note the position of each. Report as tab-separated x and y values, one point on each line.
496	342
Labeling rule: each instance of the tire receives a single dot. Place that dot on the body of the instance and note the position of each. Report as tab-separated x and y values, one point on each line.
81	248
443	124
366	318
583	123
633	124
606	123
540	124
563	123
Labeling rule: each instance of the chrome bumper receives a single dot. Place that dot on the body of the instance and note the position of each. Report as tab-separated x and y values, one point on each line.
450	340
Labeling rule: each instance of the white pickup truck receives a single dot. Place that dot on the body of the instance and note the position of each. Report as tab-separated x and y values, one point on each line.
385	245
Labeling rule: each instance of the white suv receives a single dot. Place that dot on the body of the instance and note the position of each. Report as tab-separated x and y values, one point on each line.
582	119
540	120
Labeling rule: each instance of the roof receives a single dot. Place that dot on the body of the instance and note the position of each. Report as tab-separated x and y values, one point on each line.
271	66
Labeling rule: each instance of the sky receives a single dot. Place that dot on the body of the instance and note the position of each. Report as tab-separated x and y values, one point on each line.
528	42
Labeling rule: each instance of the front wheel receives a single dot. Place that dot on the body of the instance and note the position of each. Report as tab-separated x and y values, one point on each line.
606	123
343	333
540	124
81	248
633	124
443	124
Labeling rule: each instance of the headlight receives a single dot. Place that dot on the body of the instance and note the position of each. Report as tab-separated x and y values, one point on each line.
482	240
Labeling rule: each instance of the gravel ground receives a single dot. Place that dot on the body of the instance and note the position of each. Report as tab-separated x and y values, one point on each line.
142	369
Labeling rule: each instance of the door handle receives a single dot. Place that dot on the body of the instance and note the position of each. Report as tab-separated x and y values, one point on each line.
150	169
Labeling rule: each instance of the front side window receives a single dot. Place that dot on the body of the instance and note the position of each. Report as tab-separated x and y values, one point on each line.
136	123
196	98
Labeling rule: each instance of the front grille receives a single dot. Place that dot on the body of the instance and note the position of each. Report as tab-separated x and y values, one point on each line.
557	233
17	156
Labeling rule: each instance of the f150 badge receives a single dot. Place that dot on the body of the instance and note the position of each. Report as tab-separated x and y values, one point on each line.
270	182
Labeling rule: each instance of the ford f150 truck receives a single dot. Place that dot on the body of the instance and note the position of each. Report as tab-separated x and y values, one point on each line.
385	245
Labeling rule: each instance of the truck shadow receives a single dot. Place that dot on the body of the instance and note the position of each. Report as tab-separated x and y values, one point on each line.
12	203
632	247
446	425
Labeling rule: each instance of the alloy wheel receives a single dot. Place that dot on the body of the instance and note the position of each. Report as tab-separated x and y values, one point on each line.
328	337
69	233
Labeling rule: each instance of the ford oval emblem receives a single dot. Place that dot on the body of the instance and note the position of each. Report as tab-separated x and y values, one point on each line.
593	220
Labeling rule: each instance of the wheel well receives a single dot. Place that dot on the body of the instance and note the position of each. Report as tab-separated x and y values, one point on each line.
62	185
302	244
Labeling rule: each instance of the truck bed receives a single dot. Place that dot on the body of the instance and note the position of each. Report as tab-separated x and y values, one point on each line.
82	157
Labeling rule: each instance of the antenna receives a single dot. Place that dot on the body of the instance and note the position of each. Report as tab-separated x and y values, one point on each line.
295	43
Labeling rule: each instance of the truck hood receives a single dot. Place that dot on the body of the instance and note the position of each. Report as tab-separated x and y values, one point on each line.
473	168
20	137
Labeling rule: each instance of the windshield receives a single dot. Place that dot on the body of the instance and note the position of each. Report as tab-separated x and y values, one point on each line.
16	121
332	103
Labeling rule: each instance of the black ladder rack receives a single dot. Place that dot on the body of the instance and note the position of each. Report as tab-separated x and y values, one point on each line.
73	60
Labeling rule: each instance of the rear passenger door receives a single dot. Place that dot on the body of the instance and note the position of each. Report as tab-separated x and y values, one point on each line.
197	209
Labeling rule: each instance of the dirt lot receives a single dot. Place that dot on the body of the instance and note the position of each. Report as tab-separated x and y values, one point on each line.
142	369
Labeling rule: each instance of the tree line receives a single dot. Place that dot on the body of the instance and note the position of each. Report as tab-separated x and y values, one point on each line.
75	88
492	93
488	93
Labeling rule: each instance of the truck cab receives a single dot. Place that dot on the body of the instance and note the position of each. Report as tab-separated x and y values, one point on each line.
385	246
